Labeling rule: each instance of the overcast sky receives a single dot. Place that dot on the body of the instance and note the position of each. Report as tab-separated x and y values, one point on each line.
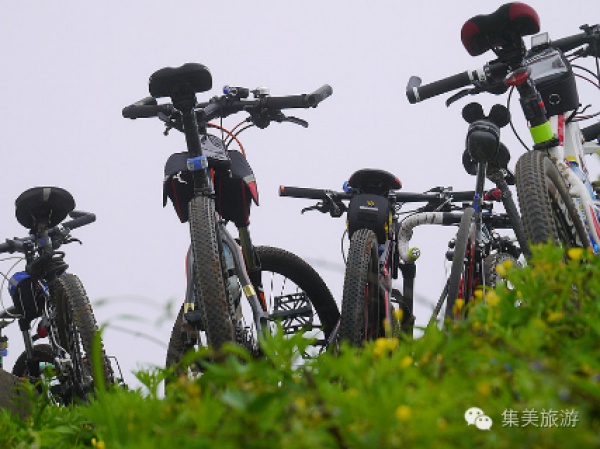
69	67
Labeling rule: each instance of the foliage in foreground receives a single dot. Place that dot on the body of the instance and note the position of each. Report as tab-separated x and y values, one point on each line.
526	356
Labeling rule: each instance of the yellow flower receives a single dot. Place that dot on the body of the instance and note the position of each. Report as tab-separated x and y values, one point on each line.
300	403
403	413
575	253
478	293
553	317
98	444
398	314
501	270
484	388
383	345
458	305
492	299
406	361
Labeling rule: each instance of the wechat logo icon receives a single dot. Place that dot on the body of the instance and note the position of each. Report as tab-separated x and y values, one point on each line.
475	416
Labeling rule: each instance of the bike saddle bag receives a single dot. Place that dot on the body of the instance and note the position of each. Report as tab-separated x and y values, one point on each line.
27	298
369	211
555	81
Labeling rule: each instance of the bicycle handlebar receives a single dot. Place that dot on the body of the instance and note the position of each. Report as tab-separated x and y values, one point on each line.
591	132
487	77
403	197
492	74
80	218
591	36
225	105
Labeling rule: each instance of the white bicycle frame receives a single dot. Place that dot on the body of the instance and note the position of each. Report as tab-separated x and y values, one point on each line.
573	146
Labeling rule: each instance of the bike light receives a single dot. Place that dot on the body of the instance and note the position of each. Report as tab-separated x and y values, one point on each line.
42	331
517	77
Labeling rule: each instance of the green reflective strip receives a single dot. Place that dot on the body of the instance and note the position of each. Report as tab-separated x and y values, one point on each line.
542	133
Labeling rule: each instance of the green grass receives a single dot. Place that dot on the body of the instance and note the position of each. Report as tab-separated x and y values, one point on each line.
537	360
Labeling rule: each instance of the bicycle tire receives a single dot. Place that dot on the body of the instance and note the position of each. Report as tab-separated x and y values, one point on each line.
362	311
209	272
461	260
277	262
42	353
547	210
75	328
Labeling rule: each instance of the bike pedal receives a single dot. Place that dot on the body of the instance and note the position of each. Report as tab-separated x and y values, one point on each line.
304	311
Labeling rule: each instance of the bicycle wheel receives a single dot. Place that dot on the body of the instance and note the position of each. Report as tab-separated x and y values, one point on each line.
297	296
42	354
547	210
209	272
74	326
461	281
363	311
290	285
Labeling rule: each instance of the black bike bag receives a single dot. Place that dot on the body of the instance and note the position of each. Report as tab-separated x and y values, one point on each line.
235	186
236	189
555	80
368	211
27	297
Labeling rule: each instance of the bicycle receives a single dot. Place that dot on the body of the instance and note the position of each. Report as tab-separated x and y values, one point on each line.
211	185
45	292
557	200
366	311
476	252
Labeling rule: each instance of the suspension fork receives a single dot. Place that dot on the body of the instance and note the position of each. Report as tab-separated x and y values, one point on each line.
25	327
252	264
259	311
497	177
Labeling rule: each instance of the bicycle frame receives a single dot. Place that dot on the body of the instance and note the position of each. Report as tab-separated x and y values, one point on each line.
569	135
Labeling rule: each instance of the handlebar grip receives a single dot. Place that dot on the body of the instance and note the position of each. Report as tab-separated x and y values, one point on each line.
309	193
570	42
323	92
463	196
591	132
299	101
80	218
146	111
416	92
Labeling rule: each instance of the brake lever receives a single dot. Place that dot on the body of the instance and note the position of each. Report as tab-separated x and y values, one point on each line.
72	240
320	206
463	93
296	121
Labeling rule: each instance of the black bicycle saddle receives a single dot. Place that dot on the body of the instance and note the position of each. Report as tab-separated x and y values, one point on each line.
504	27
43	205
371	180
190	77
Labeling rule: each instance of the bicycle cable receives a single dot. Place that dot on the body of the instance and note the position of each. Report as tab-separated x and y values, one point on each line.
510	120
6	279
